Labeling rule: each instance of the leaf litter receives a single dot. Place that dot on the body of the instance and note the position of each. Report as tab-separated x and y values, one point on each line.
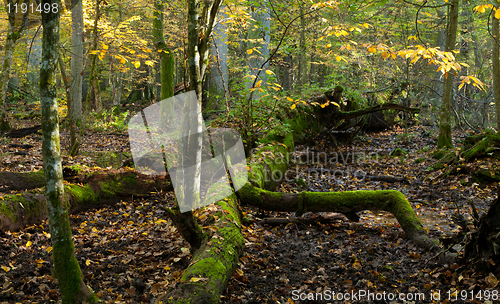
130	252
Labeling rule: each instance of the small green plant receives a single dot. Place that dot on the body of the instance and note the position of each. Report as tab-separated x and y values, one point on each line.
106	121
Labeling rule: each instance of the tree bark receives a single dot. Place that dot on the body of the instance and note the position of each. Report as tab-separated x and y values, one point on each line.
200	26
301	74
445	138
218	78
258	35
66	268
495	58
77	40
92	84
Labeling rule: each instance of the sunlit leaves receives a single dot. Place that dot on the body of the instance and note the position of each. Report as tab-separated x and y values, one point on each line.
482	8
466	80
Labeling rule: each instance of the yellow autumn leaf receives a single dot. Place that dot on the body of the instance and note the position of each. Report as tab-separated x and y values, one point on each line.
104	46
269	72
149	62
289	99
194	280
357	265
292	107
87	262
49	249
338	58
94	52
6	268
28	244
497	14
131	52
137	64
329	45
257	85
249	52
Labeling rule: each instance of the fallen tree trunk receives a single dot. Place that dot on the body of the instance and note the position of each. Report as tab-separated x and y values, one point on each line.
19	181
376	108
213	264
18	210
347	203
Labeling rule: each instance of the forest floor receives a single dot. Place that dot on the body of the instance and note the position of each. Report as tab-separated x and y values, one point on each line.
130	253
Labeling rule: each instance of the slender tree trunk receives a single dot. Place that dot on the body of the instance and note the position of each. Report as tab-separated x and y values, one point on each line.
77	40
301	75
92	83
260	39
218	76
66	268
166	54
445	138
496	64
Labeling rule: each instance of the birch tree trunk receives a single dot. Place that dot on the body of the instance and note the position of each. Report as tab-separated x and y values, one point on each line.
445	138
66	268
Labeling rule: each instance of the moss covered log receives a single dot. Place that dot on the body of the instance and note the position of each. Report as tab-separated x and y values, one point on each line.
267	169
18	181
347	203
213	264
18	210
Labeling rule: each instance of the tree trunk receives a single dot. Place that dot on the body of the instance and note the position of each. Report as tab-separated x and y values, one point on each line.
301	74
166	63
92	84
347	203
259	37
66	268
200	26
213	264
77	40
481	250
218	79
445	138
495	58
100	189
